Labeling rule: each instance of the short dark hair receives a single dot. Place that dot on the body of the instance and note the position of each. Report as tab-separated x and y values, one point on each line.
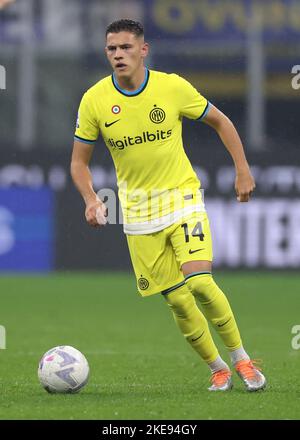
132	26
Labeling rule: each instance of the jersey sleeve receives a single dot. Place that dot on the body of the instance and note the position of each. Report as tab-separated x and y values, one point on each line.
87	127
192	104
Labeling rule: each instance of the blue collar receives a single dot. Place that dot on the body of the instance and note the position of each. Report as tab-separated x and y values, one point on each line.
134	92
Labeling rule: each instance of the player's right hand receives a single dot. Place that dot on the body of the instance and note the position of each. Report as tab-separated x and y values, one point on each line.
96	213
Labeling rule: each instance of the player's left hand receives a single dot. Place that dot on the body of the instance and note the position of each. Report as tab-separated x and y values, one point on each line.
4	3
244	186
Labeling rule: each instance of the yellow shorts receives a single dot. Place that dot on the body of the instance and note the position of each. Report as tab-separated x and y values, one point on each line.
157	258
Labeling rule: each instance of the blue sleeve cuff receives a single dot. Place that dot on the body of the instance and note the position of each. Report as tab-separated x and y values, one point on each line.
85	141
206	110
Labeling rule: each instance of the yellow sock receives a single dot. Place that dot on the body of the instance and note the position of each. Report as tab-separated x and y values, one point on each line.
192	323
215	307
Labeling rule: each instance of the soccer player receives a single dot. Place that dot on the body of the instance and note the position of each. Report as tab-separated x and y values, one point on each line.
139	114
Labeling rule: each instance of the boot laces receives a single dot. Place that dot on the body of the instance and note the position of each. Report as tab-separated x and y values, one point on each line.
220	377
248	368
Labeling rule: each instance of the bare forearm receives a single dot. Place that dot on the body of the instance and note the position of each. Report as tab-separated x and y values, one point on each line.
244	182
82	179
232	142
95	209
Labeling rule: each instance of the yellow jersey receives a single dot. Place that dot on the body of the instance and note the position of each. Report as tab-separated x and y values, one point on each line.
143	132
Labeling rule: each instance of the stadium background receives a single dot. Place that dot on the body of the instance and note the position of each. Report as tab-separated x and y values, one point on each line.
239	54
51	60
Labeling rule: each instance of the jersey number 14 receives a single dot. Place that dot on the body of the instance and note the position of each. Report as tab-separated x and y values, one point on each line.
196	232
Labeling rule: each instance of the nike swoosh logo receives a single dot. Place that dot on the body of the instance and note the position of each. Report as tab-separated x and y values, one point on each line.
195	250
221	325
196	339
108	124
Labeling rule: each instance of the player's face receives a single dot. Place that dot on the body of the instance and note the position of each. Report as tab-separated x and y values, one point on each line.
125	52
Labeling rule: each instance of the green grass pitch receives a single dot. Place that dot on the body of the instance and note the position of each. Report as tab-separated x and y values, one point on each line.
141	367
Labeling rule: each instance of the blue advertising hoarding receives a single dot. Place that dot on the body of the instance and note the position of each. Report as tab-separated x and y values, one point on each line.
204	20
222	20
26	229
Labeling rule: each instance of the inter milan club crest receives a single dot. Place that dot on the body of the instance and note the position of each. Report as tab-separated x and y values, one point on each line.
157	115
116	109
143	283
